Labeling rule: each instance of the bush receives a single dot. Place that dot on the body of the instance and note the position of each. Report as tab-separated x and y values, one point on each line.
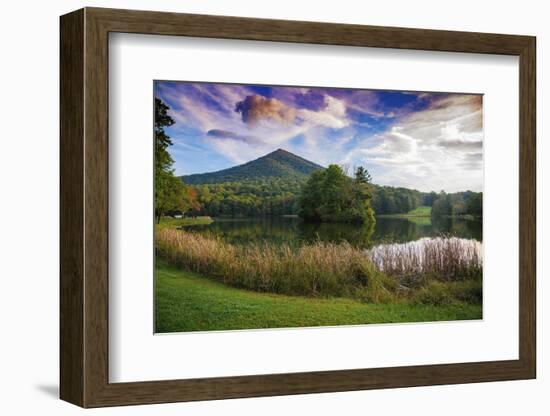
445	293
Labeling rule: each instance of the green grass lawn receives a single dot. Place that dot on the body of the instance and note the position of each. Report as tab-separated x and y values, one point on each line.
169	222
186	301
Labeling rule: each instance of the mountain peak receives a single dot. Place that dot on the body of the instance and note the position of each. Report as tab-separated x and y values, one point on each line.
278	164
280	150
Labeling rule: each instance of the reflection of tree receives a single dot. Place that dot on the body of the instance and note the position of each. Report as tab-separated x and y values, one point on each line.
460	227
475	228
358	235
243	231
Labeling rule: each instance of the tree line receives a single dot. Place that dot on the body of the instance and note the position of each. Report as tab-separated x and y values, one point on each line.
281	196
389	200
259	197
457	204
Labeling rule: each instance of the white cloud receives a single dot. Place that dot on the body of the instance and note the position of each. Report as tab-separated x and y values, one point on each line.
437	148
274	124
332	116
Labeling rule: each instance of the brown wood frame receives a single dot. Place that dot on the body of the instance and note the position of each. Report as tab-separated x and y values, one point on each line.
84	208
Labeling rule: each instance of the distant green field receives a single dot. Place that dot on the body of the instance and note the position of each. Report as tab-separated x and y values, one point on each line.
169	222
189	302
421	211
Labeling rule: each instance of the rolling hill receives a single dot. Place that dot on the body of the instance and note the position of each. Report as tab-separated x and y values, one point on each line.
279	164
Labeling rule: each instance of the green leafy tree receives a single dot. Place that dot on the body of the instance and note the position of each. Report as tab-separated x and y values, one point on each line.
361	196
390	200
429	198
311	197
171	194
457	204
475	205
443	205
331	196
335	192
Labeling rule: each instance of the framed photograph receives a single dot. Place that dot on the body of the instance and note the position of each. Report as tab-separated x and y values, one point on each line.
260	207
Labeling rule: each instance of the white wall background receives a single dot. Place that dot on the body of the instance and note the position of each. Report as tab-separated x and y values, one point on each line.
29	210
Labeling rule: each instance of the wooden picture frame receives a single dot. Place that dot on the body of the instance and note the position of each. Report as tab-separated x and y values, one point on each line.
84	207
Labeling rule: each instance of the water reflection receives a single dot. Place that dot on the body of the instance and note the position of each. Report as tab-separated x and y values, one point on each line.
402	230
279	230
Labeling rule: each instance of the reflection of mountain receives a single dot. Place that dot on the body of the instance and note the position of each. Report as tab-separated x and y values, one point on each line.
278	164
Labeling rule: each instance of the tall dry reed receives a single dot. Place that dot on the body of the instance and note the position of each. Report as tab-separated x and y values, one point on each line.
319	269
435	271
448	258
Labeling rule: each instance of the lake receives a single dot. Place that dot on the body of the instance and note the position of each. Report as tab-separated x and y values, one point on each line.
294	231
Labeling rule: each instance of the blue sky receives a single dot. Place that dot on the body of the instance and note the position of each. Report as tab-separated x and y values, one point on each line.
426	141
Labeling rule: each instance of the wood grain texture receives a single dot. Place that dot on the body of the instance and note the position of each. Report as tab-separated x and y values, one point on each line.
162	23
84	207
71	204
527	207
96	207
